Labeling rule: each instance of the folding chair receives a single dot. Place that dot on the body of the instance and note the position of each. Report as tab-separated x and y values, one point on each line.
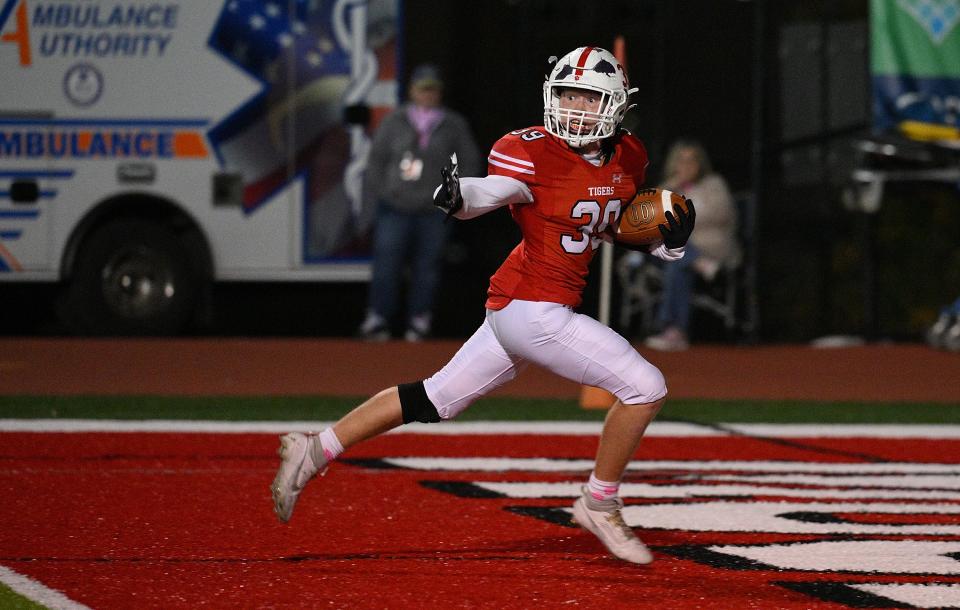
729	295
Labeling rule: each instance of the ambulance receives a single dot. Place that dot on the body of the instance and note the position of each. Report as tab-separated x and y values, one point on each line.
151	147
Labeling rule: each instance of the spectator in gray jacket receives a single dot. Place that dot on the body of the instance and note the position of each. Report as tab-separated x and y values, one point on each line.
410	146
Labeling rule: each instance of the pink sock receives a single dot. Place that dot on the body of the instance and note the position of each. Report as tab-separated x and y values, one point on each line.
330	444
602	490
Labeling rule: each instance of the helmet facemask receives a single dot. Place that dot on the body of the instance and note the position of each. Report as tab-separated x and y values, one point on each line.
588	69
603	123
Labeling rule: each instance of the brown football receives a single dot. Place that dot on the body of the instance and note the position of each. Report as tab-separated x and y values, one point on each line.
639	220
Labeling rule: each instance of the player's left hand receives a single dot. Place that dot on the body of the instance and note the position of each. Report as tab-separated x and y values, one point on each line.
681	226
448	197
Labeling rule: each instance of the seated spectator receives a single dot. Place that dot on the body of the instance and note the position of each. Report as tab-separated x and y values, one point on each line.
713	243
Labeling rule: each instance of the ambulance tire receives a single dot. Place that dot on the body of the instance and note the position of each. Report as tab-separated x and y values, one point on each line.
132	277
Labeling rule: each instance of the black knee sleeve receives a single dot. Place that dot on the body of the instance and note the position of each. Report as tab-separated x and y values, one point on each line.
415	404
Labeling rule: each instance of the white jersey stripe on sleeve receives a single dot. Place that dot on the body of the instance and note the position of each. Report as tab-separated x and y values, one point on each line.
513	168
510	159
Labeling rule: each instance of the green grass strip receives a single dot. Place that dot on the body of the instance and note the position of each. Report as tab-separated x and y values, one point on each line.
322	408
14	601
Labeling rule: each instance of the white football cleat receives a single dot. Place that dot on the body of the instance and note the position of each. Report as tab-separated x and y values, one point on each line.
607	524
296	469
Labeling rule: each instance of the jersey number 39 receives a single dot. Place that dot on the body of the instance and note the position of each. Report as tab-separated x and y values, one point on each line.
597	220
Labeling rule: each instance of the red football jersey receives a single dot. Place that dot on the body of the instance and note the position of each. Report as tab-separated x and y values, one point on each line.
573	201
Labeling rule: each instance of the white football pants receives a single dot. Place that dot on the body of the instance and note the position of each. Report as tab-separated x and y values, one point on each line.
570	344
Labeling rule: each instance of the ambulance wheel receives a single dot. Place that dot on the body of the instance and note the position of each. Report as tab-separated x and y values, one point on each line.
132	277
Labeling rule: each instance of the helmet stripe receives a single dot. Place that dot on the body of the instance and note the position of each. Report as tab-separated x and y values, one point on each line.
582	61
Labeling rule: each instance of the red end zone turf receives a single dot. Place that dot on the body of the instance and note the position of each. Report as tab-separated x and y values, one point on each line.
185	521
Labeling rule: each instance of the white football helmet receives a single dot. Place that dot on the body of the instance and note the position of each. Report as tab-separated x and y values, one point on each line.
594	69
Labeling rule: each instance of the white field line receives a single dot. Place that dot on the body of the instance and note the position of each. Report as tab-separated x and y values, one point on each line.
572	489
916	595
933	431
573	428
744	468
37	592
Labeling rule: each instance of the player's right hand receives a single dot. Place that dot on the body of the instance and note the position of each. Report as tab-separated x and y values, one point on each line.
447	196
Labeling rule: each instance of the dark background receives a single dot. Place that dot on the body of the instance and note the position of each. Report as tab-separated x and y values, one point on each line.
778	92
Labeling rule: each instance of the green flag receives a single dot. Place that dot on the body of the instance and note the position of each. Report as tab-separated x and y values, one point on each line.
915	66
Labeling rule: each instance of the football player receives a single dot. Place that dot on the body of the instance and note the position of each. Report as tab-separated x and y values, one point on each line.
565	183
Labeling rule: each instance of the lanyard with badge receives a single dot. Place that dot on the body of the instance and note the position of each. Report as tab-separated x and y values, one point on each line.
410	167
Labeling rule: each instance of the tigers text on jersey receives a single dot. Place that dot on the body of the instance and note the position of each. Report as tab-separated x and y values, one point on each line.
573	202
